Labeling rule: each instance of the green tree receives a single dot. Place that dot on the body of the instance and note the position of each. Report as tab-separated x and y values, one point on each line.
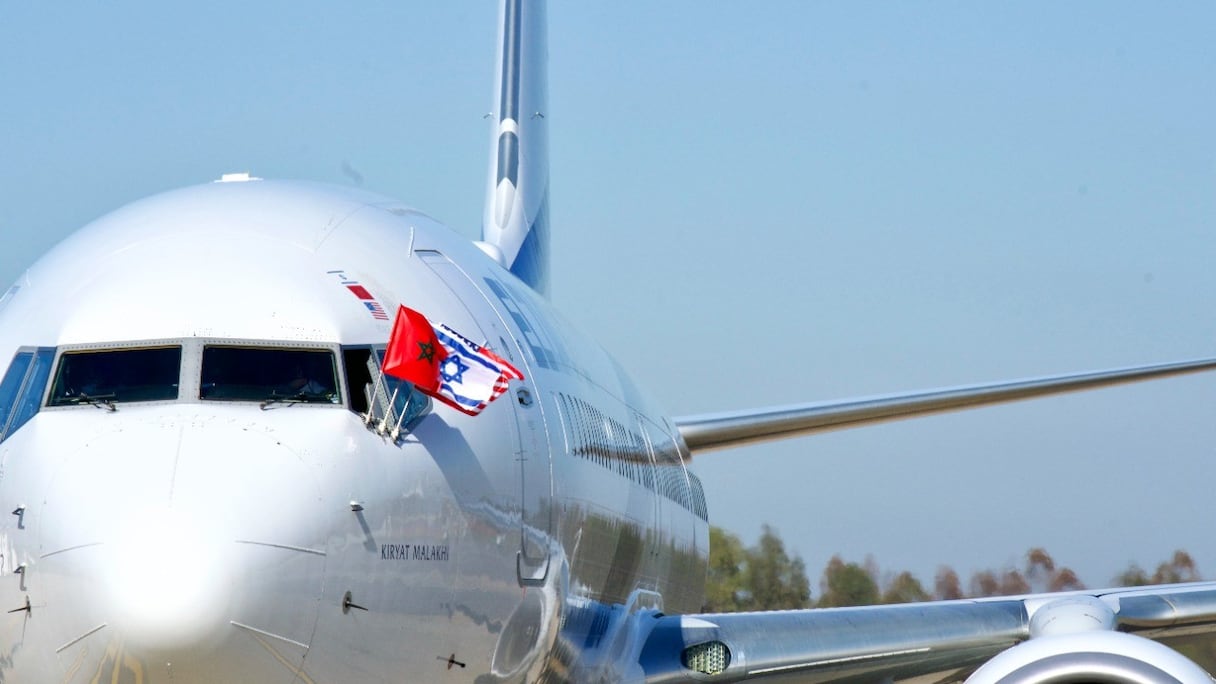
725	585
763	577
905	589
776	581
1133	576
846	584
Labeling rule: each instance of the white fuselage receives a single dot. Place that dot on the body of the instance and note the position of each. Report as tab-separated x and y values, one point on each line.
210	538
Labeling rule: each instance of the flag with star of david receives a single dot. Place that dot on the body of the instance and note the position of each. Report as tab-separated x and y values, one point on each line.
470	376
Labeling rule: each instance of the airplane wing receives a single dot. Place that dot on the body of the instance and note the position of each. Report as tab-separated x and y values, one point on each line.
1115	635
721	430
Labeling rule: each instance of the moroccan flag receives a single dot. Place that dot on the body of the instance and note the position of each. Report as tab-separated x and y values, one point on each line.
413	353
470	376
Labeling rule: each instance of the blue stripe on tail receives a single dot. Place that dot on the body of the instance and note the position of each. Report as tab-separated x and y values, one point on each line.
516	218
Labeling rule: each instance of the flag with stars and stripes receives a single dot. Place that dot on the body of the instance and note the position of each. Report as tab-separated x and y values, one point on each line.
470	376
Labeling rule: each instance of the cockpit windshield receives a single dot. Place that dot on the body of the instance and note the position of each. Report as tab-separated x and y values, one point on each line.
268	375
110	376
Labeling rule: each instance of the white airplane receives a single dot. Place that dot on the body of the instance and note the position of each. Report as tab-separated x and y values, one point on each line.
210	480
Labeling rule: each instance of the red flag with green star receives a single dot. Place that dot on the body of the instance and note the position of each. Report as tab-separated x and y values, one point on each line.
413	352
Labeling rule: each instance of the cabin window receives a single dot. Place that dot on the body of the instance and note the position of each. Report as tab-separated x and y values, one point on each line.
105	377
269	375
359	377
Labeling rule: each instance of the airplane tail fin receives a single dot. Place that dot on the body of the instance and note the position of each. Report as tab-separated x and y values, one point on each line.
516	218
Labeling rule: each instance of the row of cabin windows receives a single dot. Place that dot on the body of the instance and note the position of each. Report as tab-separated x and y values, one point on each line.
249	373
605	441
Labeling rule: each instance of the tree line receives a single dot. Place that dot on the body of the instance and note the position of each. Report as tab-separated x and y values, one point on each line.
766	577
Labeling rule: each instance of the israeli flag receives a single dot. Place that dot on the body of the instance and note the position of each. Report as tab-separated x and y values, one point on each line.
471	376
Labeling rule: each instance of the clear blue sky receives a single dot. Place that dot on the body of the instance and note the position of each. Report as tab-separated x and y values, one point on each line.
753	204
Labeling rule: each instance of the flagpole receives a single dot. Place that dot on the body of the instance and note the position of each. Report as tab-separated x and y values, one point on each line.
404	410
375	394
383	429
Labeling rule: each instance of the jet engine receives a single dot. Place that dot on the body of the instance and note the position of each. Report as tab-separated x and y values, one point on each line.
1097	657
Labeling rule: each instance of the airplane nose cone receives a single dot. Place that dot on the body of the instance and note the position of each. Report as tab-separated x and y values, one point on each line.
165	580
185	549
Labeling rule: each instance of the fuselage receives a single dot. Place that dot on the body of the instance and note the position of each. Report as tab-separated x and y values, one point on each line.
193	529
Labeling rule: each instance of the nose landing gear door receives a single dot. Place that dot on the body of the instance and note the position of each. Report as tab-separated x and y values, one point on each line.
504	323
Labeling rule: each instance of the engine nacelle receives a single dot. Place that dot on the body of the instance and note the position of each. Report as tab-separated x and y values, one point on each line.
1098	657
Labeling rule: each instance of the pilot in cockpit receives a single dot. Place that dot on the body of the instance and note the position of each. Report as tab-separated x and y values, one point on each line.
302	384
305	384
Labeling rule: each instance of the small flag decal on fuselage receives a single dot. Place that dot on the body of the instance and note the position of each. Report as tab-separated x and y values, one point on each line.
360	291
377	310
363	295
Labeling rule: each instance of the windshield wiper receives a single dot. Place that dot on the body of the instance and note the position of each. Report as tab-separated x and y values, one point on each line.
96	402
299	398
266	404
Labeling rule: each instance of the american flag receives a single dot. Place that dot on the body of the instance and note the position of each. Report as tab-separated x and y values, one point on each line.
378	312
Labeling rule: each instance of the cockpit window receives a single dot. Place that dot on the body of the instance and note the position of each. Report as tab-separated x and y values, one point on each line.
387	405
10	385
20	393
111	376
268	374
